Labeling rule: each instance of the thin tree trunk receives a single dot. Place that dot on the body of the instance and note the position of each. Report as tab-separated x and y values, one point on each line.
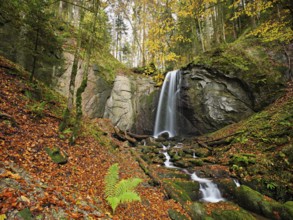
35	55
201	36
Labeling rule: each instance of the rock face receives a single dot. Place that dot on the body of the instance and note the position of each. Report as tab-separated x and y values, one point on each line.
96	93
129	102
210	100
127	107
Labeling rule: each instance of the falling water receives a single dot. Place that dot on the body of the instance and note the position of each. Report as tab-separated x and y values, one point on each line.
166	120
167	162
236	182
210	191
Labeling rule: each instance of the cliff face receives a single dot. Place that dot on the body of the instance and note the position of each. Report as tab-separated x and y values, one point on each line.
210	100
127	101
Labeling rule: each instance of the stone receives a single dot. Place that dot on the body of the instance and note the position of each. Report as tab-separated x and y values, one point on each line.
174	215
196	211
56	155
232	215
210	102
256	202
182	191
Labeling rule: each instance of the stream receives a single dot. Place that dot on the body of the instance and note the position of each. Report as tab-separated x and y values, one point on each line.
209	190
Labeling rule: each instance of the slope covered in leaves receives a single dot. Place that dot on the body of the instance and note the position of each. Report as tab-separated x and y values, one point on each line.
30	181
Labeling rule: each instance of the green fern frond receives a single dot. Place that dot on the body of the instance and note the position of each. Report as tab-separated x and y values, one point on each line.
111	180
119	192
113	202
129	197
127	185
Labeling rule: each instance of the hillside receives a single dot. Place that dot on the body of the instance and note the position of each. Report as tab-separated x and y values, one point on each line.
33	185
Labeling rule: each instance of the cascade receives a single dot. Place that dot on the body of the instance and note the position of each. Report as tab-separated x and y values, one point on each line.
166	117
210	191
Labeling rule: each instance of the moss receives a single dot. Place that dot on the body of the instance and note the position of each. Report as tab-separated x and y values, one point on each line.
242	159
25	214
256	202
174	215
196	211
232	215
182	191
56	155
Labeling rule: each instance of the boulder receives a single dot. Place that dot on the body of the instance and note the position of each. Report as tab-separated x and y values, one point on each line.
256	202
232	215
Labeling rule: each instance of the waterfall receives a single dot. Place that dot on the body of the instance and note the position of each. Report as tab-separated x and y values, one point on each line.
210	191
166	117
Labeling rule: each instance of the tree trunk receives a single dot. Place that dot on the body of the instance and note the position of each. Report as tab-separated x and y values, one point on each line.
35	55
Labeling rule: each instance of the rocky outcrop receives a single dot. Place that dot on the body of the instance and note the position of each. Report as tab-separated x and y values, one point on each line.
128	102
210	100
128	106
96	93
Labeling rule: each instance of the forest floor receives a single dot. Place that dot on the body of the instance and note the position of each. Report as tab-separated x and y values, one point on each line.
32	184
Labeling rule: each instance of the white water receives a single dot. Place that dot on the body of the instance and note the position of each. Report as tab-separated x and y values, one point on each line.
210	191
166	120
167	162
236	182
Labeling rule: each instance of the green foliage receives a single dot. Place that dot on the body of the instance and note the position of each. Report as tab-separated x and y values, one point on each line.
242	159
122	191
271	186
37	109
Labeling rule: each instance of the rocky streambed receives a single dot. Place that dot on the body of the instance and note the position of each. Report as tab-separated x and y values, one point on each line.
189	158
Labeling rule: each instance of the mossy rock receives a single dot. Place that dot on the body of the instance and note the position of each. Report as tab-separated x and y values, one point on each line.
25	214
242	159
201	152
147	149
172	175
232	215
197	162
56	155
174	215
196	211
227	187
183	163
256	202
287	210
182	191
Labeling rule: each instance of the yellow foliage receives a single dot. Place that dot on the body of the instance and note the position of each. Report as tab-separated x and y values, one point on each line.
273	31
159	79
3	217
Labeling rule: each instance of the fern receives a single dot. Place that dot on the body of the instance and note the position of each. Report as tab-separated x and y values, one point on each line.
122	191
111	180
